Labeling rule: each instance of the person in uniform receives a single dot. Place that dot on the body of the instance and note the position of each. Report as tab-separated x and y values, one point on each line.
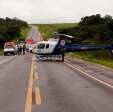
18	50
24	48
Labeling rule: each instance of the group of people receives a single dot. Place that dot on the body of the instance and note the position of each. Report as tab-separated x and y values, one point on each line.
21	49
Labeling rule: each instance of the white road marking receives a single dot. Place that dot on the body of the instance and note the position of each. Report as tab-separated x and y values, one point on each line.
5	60
90	76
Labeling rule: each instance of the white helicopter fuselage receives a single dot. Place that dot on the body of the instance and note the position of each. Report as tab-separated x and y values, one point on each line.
46	47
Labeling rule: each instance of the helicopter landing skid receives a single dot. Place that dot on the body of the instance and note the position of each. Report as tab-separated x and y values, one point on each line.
50	58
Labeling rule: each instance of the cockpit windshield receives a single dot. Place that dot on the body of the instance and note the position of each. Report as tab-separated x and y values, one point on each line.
41	46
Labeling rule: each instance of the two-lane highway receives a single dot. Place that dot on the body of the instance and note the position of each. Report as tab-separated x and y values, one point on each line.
30	85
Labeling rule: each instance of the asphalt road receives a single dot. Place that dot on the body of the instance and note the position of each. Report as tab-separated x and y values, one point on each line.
96	70
65	90
14	73
30	85
34	34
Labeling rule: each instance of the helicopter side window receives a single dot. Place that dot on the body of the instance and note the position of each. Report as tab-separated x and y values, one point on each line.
47	46
41	46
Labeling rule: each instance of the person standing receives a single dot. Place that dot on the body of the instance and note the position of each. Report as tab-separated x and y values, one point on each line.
24	48
18	50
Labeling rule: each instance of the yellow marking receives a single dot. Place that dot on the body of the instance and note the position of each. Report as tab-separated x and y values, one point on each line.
36	76
37	96
90	76
28	104
35	67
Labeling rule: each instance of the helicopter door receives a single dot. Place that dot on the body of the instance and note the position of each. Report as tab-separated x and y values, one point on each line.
47	48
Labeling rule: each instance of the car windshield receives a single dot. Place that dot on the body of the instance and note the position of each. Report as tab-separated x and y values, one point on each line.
8	46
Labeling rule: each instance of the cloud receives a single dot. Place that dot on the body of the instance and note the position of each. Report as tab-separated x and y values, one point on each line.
51	11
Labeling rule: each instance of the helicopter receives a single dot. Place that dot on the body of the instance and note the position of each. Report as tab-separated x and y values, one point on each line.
59	46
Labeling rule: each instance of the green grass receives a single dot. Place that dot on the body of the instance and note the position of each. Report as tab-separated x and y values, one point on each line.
1	51
23	34
47	30
92	57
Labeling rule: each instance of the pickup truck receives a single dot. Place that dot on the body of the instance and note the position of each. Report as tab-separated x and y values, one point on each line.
9	48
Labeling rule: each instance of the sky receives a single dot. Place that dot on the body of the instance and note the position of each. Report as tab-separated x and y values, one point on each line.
54	11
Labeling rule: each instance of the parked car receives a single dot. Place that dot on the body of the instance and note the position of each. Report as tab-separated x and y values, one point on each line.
9	48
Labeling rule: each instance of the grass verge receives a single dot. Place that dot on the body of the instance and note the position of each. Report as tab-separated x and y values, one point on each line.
108	61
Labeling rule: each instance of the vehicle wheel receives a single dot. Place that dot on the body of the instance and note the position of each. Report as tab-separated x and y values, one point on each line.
30	51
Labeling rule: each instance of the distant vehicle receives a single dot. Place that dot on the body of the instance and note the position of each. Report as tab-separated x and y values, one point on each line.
33	46
29	43
9	48
59	47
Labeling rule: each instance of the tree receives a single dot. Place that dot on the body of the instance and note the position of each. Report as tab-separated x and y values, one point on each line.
93	27
10	29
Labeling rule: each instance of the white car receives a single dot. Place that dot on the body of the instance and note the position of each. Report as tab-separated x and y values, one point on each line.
9	48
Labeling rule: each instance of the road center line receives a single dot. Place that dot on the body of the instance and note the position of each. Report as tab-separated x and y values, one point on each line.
36	76
35	67
37	96
37	89
28	104
90	76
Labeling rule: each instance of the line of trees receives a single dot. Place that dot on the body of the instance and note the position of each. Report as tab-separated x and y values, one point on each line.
10	29
92	29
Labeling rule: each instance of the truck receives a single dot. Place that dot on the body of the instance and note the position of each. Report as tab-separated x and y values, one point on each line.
9	48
